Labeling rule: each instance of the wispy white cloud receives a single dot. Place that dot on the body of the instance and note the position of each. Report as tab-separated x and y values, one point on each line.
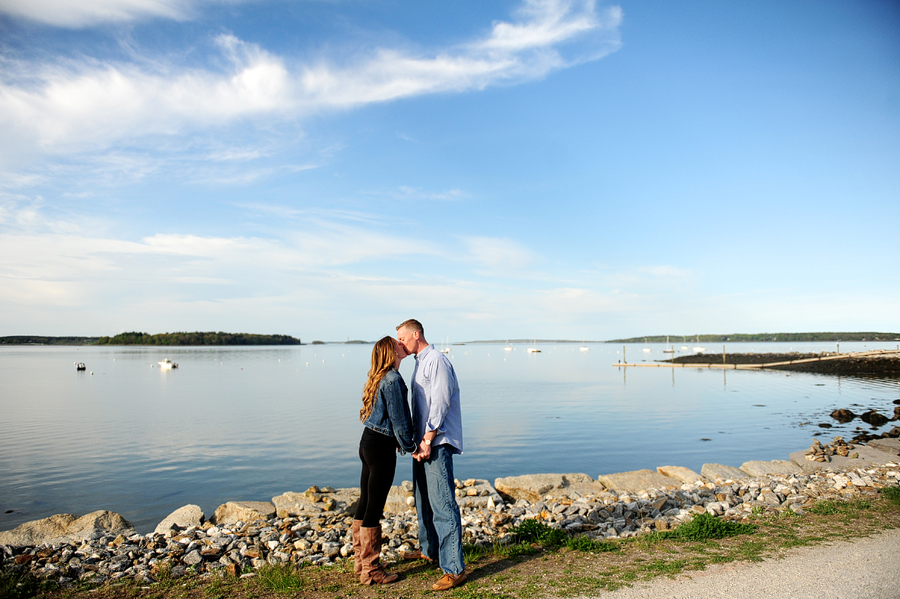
415	193
71	106
65	13
499	254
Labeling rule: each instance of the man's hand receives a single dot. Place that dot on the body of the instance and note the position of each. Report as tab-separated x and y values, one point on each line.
424	451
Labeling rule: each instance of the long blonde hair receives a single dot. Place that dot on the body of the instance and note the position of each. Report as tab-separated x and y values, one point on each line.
384	354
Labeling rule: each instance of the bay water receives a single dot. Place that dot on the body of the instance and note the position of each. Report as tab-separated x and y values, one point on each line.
249	423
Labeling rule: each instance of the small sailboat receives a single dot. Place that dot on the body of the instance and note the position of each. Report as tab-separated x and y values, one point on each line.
167	364
445	350
533	349
584	347
697	349
508	346
668	349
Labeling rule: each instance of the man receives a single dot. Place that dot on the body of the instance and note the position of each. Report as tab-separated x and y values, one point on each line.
437	427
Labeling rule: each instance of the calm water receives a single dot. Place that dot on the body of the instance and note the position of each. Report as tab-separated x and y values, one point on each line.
252	423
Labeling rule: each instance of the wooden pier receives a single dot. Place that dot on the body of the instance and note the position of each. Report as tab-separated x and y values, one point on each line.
878	353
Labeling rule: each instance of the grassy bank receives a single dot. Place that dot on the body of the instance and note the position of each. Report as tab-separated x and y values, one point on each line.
541	562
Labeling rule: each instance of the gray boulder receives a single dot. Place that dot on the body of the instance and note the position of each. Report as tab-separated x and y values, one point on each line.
477	493
243	511
775	467
685	475
637	481
866	457
891	446
721	472
183	517
67	528
315	501
534	487
400	499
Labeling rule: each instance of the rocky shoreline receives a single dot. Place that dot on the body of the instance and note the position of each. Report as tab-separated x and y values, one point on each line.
313	527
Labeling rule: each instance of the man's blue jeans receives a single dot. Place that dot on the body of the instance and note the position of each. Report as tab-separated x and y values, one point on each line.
440	529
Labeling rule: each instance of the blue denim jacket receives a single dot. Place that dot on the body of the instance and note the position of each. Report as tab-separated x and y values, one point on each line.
390	413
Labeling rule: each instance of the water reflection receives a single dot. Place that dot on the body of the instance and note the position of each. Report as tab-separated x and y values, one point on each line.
251	423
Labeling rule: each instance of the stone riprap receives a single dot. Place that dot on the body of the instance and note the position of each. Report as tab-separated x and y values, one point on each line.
53	549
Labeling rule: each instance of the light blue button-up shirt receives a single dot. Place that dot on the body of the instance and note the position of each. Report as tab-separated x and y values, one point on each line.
435	399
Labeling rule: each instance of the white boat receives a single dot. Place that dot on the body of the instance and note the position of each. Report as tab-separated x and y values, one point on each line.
445	350
508	346
646	350
584	347
533	349
167	364
80	366
699	350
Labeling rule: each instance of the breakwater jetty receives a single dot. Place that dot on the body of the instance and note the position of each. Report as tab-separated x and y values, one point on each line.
314	526
876	362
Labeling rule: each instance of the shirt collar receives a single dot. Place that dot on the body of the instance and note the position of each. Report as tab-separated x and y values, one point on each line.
424	352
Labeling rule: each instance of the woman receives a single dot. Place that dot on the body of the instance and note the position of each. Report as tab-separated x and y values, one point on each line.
385	415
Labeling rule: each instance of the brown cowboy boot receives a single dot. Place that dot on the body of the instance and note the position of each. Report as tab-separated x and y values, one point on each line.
357	547
370	554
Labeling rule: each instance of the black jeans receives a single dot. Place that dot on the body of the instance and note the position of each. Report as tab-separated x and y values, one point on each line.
378	453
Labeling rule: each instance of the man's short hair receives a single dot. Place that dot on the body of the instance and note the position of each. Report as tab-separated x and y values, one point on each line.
413	324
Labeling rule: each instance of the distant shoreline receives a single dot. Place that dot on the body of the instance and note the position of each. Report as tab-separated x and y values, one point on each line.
213	339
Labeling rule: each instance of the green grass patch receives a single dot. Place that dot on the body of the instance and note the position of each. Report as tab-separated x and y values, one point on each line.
705	526
589	545
15	585
281	578
892	493
829	507
668	568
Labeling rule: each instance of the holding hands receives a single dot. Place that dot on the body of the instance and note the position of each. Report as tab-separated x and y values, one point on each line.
424	451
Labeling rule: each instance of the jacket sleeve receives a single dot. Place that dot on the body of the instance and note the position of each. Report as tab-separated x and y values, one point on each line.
398	412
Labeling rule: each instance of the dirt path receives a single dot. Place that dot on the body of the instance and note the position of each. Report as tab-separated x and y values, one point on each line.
865	568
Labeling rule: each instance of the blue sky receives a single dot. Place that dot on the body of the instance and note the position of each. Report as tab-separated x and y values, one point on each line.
496	169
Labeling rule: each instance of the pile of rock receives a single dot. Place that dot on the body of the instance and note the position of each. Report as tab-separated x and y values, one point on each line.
822	453
314	527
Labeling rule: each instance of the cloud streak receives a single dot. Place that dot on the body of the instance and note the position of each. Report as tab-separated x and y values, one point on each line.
73	106
64	13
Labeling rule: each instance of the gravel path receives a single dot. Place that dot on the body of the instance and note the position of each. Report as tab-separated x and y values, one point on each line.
866	568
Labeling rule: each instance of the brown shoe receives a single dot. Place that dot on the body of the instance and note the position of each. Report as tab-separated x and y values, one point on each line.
448	581
414	555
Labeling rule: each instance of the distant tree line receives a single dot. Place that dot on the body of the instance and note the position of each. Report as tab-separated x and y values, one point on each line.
41	340
197	338
758	337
